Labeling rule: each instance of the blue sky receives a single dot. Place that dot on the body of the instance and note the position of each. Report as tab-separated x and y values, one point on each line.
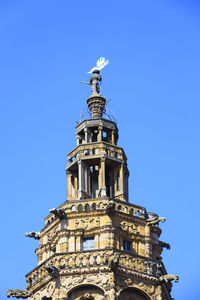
152	80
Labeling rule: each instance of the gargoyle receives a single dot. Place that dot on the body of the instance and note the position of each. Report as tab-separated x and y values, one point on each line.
169	277
33	234
110	207
164	245
18	293
155	220
60	213
52	270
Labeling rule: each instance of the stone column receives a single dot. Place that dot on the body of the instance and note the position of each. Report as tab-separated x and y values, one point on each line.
75	186
113	137
103	177
80	179
148	247
69	182
86	135
99	137
122	179
77	139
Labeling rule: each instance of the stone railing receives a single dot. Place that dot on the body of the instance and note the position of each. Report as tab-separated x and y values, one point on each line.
73	262
95	149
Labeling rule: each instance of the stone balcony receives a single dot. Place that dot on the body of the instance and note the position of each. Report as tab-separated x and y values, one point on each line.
93	261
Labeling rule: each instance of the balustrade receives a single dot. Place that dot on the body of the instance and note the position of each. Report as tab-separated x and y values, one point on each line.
96	258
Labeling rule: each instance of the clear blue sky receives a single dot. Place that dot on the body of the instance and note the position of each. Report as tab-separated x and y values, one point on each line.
153	78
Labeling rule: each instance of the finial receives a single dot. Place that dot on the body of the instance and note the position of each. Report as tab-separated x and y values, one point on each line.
95	78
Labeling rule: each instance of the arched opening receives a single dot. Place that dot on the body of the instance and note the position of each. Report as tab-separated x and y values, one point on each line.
80	207
133	294
86	292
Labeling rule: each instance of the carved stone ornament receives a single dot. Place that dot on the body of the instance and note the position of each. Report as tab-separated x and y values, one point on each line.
87	223
132	282
169	277
18	293
87	296
71	281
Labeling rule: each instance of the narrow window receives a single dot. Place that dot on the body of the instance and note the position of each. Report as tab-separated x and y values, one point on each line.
118	181
131	212
94	207
80	207
88	243
127	246
87	207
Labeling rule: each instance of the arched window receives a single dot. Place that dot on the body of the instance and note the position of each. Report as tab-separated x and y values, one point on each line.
119	208
137	213
80	207
73	208
131	211
87	207
94	207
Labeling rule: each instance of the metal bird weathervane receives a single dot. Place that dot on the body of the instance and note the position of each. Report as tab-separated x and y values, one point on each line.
95	78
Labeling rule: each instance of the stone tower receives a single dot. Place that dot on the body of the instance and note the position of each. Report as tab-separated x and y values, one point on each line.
97	245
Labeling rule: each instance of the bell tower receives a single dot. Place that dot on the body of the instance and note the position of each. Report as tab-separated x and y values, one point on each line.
97	245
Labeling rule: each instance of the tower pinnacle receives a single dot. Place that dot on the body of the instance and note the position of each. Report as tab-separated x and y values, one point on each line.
96	103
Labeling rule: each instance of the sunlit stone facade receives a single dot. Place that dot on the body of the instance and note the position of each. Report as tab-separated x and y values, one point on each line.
97	245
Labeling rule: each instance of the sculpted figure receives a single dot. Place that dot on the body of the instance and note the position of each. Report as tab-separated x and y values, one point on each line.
87	296
60	213
114	262
18	293
95	78
164	245
155	220
52	270
33	234
110	207
169	277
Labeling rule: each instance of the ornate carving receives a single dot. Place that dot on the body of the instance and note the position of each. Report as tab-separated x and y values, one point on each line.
71	281
87	296
114	262
60	213
18	293
87	223
50	289
52	270
169	277
164	245
110	207
155	220
131	228
33	234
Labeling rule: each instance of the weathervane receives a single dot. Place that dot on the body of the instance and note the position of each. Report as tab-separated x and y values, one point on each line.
95	78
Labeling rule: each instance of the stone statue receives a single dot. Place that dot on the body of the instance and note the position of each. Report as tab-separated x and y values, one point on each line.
87	296
155	220
52	270
110	207
169	277
96	77
164	245
33	234
18	293
114	262
60	213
